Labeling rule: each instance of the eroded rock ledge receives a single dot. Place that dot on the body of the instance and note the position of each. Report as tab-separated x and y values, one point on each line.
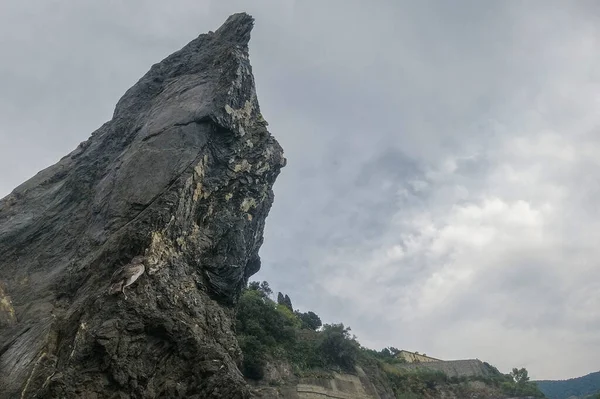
182	175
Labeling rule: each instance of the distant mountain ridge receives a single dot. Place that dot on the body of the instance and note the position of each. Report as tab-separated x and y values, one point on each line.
580	387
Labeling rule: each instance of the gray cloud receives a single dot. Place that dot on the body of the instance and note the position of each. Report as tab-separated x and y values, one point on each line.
442	181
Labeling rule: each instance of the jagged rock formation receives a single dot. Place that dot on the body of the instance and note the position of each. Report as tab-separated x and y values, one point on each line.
182	175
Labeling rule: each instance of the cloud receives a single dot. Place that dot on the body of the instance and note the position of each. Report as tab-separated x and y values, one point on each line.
442	184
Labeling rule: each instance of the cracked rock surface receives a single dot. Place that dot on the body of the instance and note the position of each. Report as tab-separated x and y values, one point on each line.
182	175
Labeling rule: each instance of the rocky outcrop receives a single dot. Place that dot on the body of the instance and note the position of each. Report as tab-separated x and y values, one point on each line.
182	175
280	383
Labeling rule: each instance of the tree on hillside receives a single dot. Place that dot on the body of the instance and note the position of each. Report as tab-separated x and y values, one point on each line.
285	300
520	376
310	320
263	288
339	347
389	353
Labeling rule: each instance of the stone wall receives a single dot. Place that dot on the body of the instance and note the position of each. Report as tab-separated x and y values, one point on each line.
412	357
340	386
453	368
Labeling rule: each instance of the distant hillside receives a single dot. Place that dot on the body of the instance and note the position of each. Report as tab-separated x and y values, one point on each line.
579	387
291	354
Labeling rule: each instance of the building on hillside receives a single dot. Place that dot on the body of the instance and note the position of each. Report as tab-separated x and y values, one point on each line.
415	357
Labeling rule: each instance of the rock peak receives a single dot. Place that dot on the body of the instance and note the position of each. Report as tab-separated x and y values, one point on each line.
181	180
237	28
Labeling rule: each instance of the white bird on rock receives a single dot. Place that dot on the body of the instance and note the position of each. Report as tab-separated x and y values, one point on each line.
126	275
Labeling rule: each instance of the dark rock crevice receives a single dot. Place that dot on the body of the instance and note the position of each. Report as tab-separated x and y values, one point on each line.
181	175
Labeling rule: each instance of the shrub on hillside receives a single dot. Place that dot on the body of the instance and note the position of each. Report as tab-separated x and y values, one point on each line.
414	382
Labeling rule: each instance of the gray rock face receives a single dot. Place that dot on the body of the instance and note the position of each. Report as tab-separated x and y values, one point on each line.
182	175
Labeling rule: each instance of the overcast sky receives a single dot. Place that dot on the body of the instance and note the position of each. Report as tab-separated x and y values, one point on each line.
442	187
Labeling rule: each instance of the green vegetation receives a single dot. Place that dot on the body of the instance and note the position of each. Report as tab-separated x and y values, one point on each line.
414	383
263	328
309	320
520	376
268	330
425	383
338	347
519	385
581	387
